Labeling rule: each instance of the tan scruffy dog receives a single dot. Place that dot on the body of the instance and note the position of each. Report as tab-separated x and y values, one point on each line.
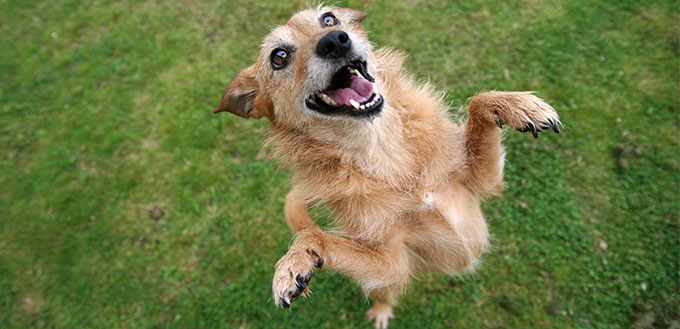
404	182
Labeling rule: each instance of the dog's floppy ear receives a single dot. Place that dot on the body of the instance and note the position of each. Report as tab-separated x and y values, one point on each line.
355	16
242	96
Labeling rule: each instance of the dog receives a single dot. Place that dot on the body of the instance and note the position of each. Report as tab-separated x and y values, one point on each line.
403	181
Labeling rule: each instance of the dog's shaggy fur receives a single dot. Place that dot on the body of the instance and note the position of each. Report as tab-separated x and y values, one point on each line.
404	183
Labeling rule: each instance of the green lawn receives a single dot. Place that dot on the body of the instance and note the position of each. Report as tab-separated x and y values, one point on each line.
124	203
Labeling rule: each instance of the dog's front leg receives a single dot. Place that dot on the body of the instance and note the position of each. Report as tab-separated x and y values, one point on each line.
373	267
488	112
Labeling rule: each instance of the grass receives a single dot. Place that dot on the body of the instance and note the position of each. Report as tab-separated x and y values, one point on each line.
125	203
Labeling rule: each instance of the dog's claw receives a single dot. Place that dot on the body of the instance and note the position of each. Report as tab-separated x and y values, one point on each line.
302	282
295	295
551	123
534	132
556	126
319	261
300	287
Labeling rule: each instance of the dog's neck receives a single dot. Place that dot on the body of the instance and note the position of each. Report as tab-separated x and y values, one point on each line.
378	146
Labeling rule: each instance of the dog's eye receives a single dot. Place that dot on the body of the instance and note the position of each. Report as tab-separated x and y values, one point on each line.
279	58
329	20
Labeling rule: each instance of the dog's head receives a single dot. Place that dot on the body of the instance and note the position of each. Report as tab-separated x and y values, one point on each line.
313	68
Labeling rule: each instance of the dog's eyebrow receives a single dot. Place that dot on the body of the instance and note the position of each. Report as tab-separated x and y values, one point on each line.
282	32
279	37
270	45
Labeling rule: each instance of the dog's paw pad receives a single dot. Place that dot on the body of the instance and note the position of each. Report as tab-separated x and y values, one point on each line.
380	314
292	276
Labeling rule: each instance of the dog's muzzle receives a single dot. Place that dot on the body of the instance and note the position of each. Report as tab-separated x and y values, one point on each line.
351	89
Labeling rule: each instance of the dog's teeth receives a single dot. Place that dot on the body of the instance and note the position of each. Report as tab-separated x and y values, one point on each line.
363	107
354	103
375	88
355	72
327	99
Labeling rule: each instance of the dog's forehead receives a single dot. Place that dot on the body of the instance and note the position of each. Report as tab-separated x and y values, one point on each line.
300	26
307	21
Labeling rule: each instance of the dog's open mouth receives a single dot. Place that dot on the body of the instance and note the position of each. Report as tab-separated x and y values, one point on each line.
351	91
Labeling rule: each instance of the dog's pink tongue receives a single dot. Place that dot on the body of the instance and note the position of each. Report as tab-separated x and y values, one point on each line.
359	90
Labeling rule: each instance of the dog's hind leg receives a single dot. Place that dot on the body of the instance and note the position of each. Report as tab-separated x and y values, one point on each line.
488	112
296	211
381	311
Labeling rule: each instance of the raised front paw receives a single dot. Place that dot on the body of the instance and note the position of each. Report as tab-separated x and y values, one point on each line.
293	272
524	112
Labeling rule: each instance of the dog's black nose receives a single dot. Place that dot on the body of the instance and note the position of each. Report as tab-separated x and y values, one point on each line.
335	44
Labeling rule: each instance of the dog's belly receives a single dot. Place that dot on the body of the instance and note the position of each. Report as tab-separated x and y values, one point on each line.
450	233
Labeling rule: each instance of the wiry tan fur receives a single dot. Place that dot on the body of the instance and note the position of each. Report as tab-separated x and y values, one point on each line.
404	187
